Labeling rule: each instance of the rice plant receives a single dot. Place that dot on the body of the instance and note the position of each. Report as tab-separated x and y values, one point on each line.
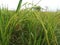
28	27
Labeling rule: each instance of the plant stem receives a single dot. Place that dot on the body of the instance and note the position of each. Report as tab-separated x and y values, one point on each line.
19	6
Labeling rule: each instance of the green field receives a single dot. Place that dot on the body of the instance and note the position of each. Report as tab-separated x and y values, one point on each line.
29	27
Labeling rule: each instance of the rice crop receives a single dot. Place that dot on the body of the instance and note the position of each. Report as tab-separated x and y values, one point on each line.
29	27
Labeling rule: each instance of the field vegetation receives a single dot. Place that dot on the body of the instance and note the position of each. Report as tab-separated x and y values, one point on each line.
29	27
